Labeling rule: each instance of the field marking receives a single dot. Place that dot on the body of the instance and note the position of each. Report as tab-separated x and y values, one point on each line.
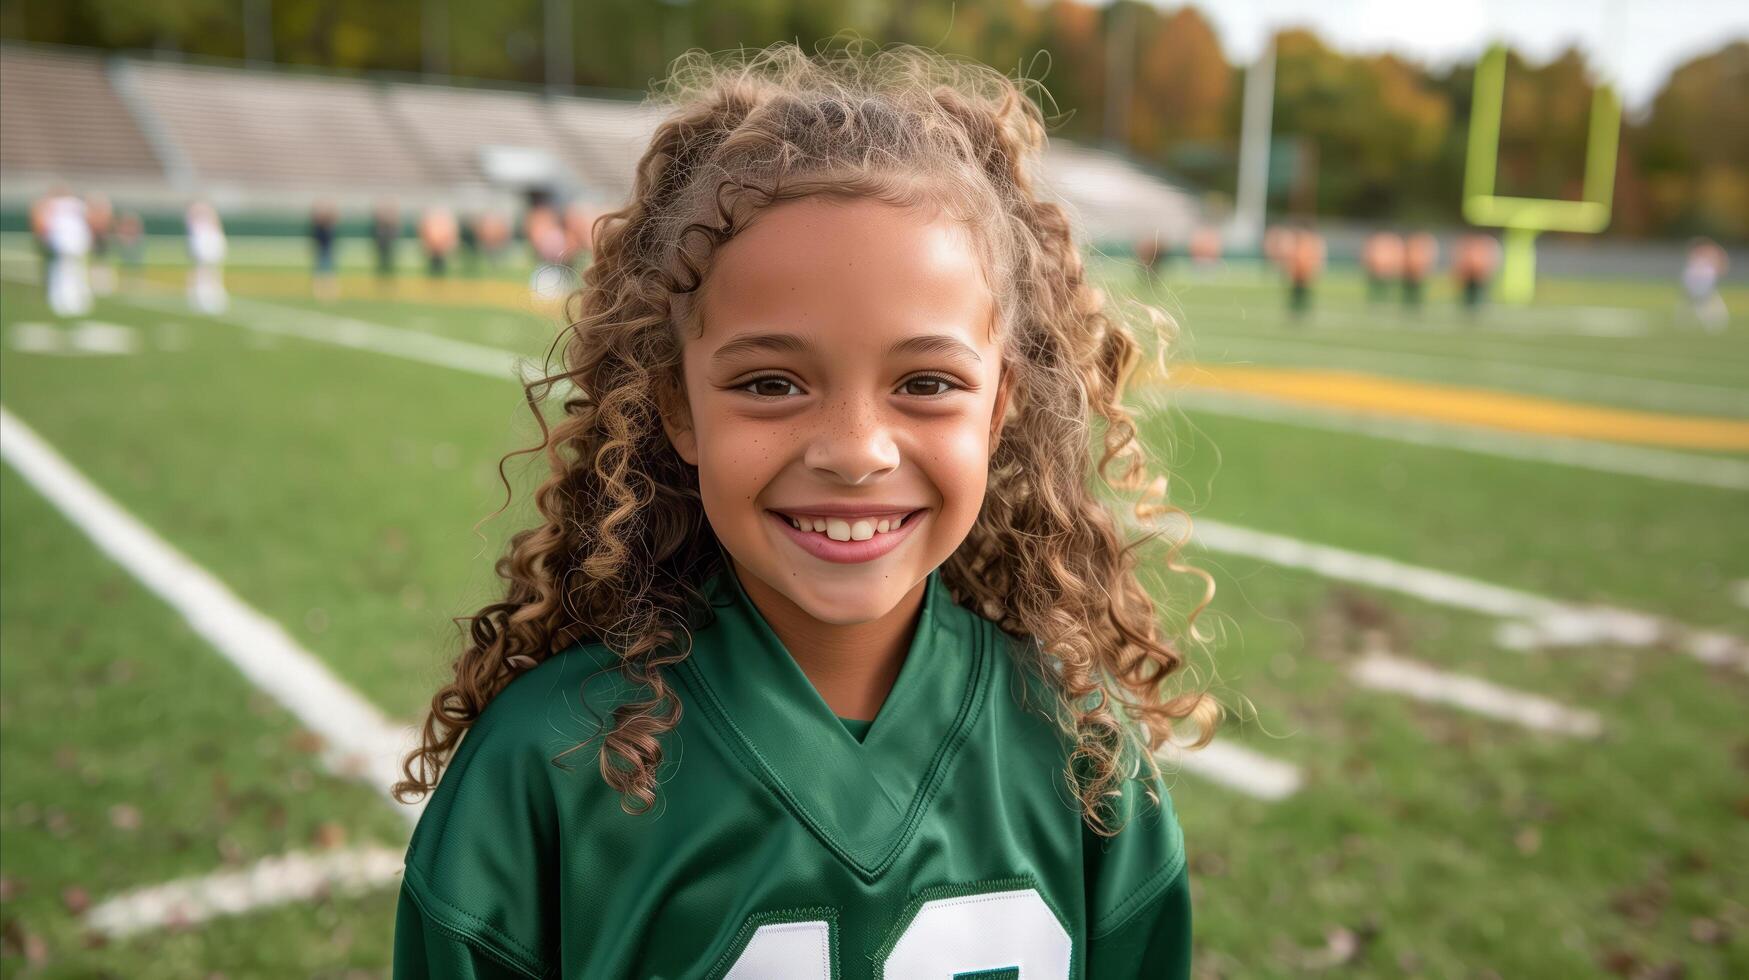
1539	621
327	328
292	877
1656	393
1530	621
1604	457
1383	672
1238	768
361	743
1468	406
84	337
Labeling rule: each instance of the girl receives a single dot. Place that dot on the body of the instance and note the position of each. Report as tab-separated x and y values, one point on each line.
857	667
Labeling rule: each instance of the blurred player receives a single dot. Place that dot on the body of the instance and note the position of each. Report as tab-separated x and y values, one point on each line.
67	234
39	234
1205	247
493	232
385	233
1706	265
1420	255
324	226
1305	263
130	241
1151	256
206	250
1382	260
579	233
101	217
1278	244
437	238
546	237
1473	262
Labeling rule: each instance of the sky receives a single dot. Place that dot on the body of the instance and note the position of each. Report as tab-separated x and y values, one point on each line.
1636	42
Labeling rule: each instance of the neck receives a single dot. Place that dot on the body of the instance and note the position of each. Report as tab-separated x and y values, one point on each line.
852	666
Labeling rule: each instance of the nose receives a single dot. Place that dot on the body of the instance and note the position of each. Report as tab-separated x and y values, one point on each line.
853	442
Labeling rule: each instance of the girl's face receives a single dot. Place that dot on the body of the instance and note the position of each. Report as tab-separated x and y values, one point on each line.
846	373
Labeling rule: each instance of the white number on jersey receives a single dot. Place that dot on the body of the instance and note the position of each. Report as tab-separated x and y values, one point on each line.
946	937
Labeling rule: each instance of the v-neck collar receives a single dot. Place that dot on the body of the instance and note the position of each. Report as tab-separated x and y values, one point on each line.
861	799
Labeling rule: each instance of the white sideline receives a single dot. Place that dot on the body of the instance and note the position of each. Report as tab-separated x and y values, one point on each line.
1530	621
1384	672
327	328
291	877
1604	457
1238	768
361	742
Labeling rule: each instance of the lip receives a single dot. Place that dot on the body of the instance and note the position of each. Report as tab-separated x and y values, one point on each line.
848	552
850	512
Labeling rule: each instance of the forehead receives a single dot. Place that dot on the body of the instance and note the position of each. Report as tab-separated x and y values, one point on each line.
855	271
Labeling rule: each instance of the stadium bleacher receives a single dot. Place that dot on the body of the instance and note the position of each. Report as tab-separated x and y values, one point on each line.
269	140
60	116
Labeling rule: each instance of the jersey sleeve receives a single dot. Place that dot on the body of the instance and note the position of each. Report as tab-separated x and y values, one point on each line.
1138	893
480	895
426	947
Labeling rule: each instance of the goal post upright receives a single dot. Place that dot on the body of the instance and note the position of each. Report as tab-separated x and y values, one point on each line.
1521	219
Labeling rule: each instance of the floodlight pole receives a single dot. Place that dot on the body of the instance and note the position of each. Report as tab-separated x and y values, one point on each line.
561	76
1120	49
1251	202
258	31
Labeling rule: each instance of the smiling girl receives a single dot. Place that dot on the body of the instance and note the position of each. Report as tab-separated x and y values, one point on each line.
859	664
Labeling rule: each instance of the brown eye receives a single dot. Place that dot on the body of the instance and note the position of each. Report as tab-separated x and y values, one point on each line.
943	386
770	386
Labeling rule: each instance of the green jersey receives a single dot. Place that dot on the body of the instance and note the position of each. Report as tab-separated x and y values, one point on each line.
941	845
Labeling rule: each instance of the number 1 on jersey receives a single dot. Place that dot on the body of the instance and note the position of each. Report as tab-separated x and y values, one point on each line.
946	938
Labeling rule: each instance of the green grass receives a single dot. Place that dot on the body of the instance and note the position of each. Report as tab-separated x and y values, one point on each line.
336	490
134	754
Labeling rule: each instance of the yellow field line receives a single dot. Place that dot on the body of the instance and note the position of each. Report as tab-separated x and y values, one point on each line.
1467	406
409	287
1336	389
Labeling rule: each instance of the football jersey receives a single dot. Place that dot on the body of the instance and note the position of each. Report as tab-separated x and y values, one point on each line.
942	845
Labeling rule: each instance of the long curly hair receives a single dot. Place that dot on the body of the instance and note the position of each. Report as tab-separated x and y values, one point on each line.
623	543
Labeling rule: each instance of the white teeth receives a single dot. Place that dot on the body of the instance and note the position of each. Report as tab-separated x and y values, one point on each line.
843	530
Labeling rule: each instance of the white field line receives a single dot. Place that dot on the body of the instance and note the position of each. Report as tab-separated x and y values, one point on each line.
1238	768
1531	621
292	877
496	362
414	345
1605	457
1384	672
361	742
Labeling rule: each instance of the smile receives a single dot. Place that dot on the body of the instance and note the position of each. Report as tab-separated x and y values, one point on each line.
836	539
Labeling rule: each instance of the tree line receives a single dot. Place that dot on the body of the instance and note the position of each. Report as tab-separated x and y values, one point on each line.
1360	136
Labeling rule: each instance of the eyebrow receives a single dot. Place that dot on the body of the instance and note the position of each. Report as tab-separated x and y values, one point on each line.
933	343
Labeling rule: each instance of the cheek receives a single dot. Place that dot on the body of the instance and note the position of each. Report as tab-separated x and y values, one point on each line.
957	460
736	460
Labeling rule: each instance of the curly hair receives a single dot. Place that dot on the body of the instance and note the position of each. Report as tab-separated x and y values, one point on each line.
623	543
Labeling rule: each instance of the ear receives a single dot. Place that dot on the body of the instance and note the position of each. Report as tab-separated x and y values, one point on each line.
999	414
677	423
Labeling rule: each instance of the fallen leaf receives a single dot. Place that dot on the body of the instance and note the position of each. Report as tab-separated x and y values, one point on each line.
124	816
75	899
329	835
1707	932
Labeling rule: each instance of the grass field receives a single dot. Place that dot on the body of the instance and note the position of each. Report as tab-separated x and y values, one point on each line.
336	489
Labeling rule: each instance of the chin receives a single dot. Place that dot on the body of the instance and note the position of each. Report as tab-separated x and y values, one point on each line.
851	604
